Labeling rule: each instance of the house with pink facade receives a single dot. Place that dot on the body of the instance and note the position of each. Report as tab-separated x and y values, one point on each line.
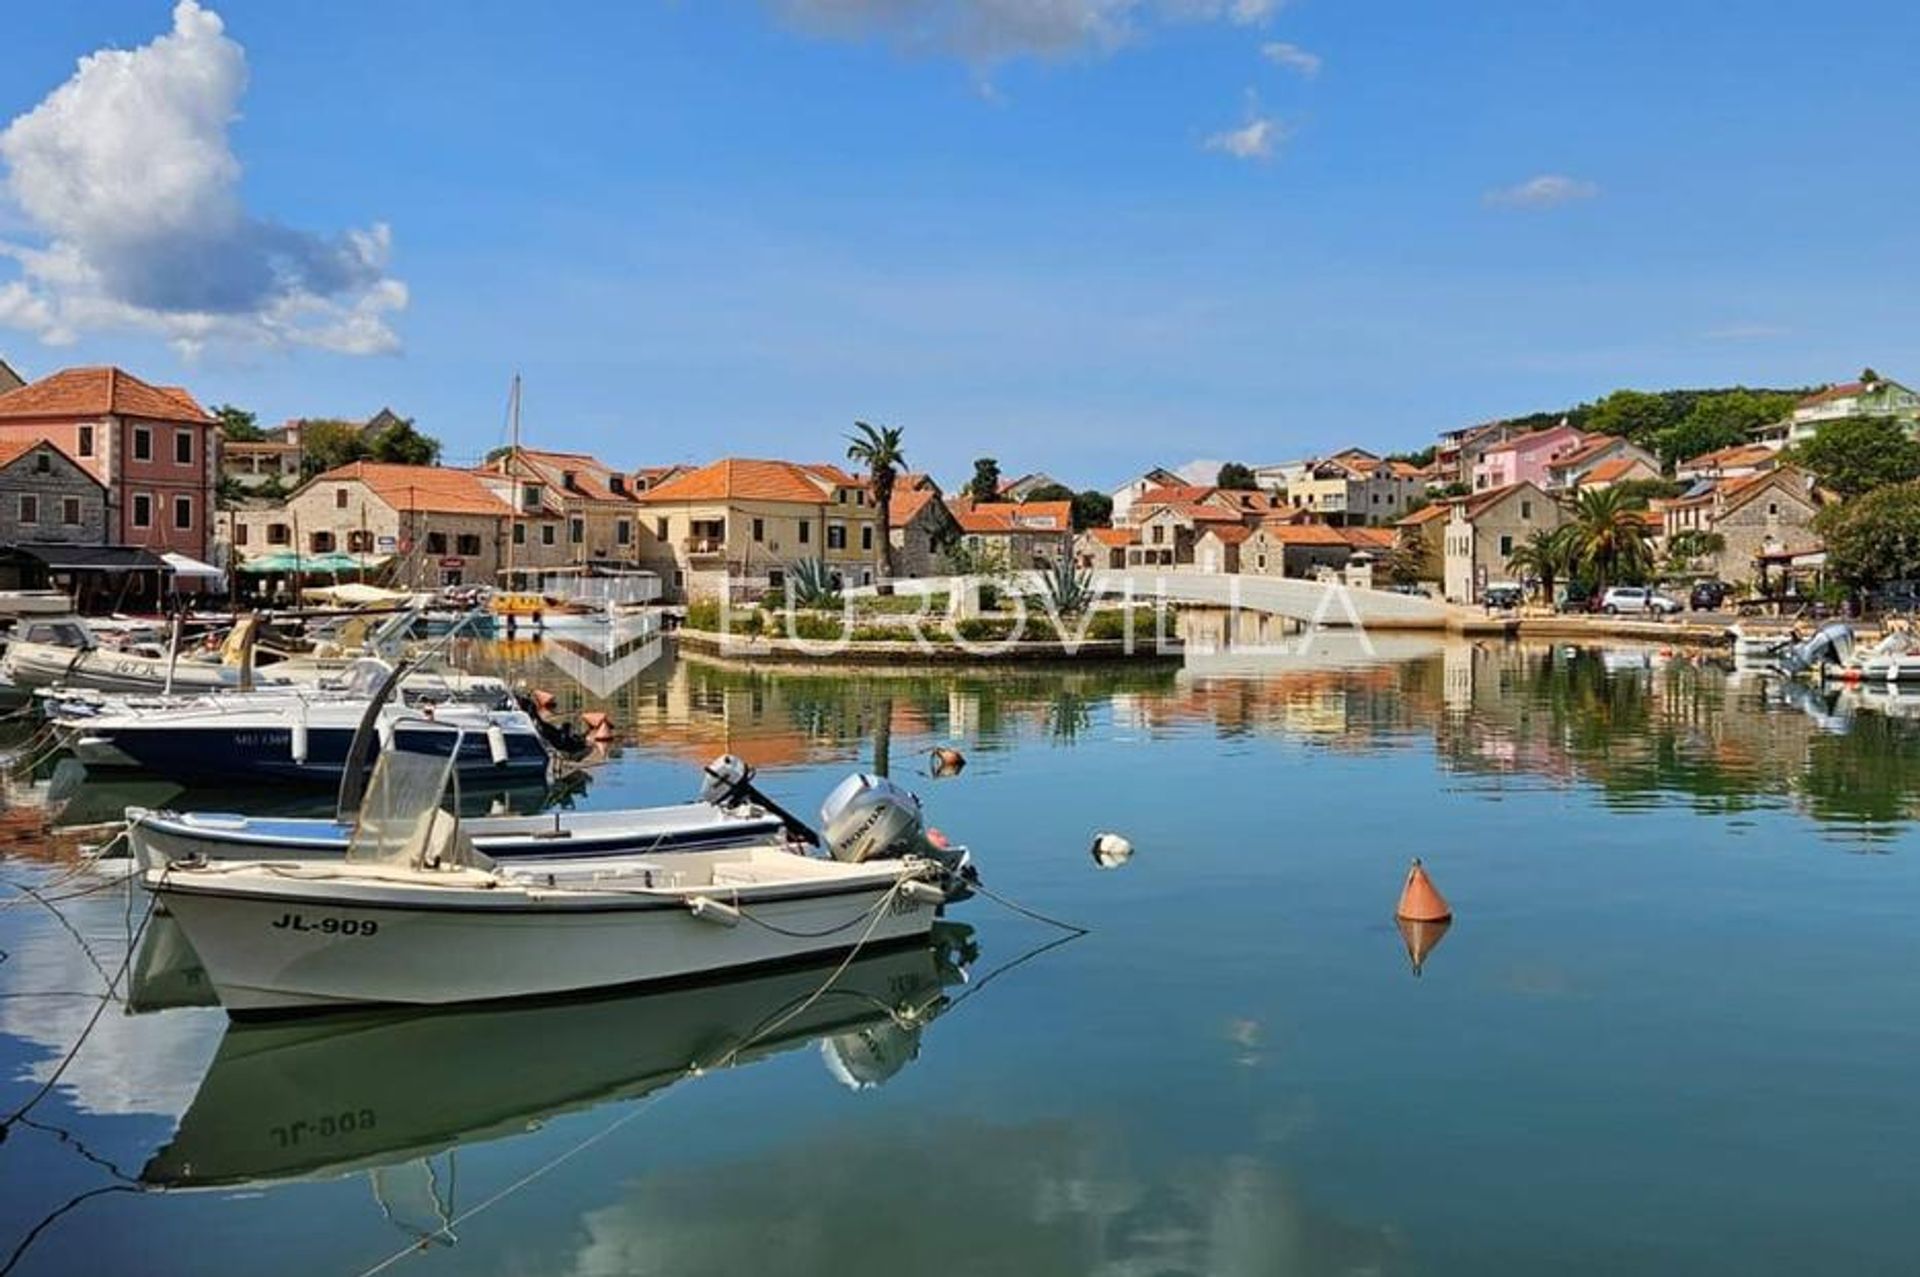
1525	458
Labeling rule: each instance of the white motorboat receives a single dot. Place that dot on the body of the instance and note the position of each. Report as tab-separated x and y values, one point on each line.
415	915
302	738
22	603
68	652
730	813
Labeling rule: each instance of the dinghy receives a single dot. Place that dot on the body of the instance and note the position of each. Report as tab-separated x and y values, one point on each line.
415	915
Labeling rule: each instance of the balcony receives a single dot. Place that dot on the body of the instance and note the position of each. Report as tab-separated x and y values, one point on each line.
703	548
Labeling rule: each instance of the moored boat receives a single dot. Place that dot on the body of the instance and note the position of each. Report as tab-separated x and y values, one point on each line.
415	915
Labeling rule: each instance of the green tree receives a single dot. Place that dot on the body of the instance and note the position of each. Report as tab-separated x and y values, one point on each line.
1634	414
878	449
1875	538
1545	556
1611	542
1721	420
1691	544
326	443
1854	455
985	484
1237	478
1050	492
401	444
238	425
1091	509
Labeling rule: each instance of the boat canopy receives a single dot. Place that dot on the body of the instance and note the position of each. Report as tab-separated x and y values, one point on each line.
185	567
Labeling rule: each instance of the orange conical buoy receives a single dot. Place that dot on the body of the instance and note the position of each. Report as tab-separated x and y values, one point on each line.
599	726
1421	939
1420	900
544	700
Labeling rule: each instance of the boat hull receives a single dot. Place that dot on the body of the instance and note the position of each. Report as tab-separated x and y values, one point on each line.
194	753
101	670
278	943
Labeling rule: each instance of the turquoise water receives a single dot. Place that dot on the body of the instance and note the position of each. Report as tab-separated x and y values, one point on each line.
1671	1029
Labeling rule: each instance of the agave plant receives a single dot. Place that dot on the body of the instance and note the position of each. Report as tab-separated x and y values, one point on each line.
1069	589
810	584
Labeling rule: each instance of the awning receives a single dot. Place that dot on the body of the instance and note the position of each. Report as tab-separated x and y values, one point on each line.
89	558
286	562
190	568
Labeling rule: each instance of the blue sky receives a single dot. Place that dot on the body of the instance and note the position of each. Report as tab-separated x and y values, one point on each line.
709	226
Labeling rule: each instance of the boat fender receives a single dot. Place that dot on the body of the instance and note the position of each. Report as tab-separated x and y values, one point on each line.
708	909
924	892
298	744
496	744
386	736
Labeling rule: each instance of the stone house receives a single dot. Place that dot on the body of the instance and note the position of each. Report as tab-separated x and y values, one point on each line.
1023	488
426	526
1102	549
1354	488
1767	513
1302	550
1032	534
735	527
154	448
1217	549
48	498
9	379
570	510
1483	530
919	526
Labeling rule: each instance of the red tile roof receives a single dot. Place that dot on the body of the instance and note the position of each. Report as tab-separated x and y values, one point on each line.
745	479
96	392
1304	534
438	489
1427	514
908	502
997	517
592	478
1612	470
1740	454
1594	446
1116	537
1845	390
1230	533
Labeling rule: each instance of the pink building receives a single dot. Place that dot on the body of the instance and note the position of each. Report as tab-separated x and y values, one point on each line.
1525	458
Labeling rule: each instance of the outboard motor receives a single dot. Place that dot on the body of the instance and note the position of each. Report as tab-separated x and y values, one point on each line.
728	780
871	818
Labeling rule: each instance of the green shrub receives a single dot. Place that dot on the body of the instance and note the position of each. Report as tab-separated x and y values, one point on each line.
704	614
983	629
879	634
750	622
812	626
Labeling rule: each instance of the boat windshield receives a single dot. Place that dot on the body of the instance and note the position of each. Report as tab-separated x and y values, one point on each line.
400	820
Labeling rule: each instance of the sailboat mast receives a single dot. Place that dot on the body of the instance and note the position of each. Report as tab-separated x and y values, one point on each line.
513	475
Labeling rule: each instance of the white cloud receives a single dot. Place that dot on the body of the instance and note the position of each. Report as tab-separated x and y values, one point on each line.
1254	140
126	174
1549	190
1292	57
988	31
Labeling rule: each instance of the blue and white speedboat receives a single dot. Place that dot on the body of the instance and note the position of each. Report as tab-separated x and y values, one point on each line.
303	739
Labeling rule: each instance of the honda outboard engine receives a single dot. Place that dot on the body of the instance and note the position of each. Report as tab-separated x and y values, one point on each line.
871	818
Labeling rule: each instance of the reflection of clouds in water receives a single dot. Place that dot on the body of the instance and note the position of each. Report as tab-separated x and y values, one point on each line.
130	1064
1050	1197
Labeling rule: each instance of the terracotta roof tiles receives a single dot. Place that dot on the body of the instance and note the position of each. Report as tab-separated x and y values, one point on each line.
744	479
96	392
439	489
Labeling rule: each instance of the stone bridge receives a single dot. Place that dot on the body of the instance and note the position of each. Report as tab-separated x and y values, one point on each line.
1309	602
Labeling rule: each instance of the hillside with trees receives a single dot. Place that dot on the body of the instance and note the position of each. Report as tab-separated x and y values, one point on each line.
1675	424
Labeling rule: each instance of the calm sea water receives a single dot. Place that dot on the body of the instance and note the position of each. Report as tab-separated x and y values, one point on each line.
1672	1029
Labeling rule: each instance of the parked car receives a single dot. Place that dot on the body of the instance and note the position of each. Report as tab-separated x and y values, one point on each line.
1707	596
1637	598
1503	596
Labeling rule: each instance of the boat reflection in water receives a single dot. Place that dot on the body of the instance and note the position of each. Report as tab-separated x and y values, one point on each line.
317	1098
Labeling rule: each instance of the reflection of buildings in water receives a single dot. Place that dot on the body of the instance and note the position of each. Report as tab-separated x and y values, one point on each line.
1066	1196
602	665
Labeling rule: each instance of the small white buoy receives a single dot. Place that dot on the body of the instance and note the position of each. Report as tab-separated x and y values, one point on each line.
497	744
299	741
1110	851
385	733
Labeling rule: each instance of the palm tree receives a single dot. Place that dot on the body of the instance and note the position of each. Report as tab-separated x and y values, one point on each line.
878	449
1545	556
1609	537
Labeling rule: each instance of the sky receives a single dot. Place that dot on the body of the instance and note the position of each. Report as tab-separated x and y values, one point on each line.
1081	236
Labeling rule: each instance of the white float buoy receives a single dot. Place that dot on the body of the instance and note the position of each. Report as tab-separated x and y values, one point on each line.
708	909
497	744
298	744
1110	850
